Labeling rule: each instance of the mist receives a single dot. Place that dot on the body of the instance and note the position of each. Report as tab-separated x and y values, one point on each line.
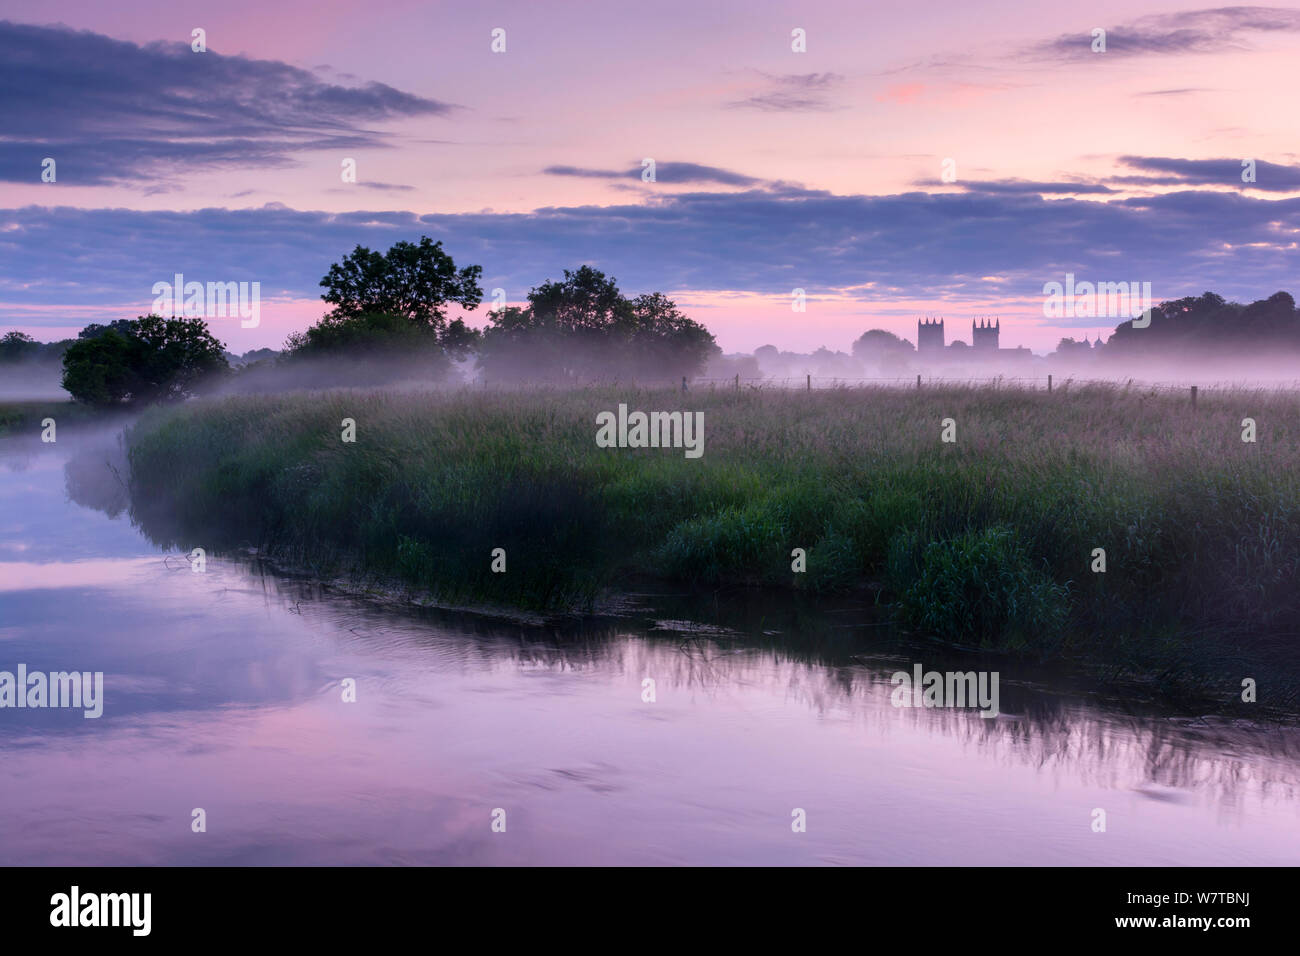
31	382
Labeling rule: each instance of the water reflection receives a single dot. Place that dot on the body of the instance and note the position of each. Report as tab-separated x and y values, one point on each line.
823	668
95	476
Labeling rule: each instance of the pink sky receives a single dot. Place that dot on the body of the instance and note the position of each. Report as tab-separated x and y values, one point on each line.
903	86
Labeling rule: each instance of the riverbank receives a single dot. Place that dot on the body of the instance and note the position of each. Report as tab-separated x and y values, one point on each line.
987	541
16	416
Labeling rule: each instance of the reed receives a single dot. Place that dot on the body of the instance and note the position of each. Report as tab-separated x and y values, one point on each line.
986	541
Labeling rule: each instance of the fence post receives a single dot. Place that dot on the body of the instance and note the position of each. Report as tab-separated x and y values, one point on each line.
737	381
1193	396
1049	384
918	381
810	381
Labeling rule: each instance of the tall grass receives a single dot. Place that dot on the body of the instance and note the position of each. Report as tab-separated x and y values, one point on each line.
987	541
25	416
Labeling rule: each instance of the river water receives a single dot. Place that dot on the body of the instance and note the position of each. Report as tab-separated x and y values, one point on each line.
224	691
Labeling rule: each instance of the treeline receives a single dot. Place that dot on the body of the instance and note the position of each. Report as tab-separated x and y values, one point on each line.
390	322
20	348
1210	325
580	329
1192	327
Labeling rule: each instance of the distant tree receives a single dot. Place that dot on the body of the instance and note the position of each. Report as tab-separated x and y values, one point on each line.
148	359
1208	325
568	331
727	367
258	355
52	352
583	328
1070	346
459	340
18	346
665	341
883	350
878	343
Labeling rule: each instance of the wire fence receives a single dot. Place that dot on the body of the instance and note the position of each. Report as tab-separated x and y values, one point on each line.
1046	382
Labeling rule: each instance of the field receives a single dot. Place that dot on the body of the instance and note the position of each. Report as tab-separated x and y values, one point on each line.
988	541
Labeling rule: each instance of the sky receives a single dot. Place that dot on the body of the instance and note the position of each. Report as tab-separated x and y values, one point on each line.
915	159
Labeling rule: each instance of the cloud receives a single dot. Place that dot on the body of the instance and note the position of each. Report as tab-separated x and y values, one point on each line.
590	173
665	172
1215	30
912	246
378	187
792	93
1162	171
1182	92
1024	187
902	93
110	111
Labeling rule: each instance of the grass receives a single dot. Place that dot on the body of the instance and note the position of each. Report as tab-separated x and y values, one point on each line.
16	416
984	542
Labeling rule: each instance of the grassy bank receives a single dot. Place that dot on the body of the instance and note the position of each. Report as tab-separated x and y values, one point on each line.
19	416
987	541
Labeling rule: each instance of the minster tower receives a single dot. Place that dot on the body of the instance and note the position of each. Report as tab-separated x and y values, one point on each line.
984	336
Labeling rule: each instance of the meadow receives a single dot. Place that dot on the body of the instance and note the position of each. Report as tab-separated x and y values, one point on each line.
988	541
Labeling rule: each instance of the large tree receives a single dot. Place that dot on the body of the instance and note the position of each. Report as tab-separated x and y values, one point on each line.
413	281
142	360
390	314
583	328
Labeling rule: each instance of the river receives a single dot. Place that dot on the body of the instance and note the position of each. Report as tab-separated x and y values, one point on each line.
225	691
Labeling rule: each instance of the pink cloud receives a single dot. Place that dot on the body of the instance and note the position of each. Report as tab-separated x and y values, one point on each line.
902	93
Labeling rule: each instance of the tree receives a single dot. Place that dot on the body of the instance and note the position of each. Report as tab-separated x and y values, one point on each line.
883	350
367	335
94	329
666	341
142	360
459	340
412	281
583	328
1208	325
1071	348
878	344
586	301
392	307
18	346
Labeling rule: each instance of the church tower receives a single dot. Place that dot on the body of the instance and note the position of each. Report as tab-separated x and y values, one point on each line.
984	335
929	336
